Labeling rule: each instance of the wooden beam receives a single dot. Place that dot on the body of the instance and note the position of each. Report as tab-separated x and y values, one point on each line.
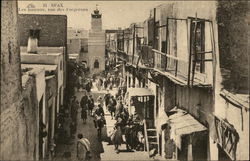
154	33
190	54
198	19
166	64
162	26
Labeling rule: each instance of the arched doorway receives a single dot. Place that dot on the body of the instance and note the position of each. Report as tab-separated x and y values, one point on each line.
96	64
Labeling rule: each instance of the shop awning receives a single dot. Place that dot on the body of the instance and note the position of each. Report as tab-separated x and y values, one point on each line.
181	124
139	92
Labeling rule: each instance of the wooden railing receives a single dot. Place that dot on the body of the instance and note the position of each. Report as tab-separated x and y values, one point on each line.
172	64
178	68
146	145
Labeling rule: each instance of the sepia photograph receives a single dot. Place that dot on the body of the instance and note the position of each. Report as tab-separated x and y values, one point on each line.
124	80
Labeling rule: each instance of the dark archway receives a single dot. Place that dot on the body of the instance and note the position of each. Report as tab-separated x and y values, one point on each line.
96	64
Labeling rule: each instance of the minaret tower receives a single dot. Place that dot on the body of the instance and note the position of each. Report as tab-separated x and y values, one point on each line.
96	44
96	20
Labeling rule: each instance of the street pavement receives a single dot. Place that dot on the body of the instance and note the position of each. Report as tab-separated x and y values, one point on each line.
109	149
89	131
100	150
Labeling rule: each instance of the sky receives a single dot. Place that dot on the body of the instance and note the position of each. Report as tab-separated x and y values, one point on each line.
114	13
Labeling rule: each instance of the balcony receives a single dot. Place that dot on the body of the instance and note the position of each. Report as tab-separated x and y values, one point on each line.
170	65
179	70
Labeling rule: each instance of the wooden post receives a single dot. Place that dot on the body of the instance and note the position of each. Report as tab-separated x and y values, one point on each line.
133	45
190	53
176	68
190	149
154	33
166	45
194	47
123	40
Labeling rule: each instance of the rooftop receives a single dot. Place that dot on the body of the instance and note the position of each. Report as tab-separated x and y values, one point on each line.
44	50
46	67
238	100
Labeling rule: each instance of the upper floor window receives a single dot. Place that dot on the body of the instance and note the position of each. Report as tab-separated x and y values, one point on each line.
96	64
198	44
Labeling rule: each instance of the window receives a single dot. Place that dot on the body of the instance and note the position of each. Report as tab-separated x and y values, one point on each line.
157	34
96	64
35	33
82	49
198	44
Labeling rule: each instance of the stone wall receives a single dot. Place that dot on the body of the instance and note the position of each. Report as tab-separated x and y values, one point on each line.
19	126
10	58
18	130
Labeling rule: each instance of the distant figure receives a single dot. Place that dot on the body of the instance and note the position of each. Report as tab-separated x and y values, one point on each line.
107	98
99	120
84	106
112	106
117	134
91	104
100	100
83	148
119	108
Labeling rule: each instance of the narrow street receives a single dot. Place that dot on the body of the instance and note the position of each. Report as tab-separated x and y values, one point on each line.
100	150
89	131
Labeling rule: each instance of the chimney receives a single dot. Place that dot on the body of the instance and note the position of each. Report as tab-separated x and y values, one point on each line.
33	41
32	45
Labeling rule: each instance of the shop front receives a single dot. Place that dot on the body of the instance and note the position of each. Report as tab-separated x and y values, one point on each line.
184	137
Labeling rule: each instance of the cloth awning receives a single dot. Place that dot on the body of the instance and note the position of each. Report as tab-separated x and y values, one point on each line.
181	124
139	92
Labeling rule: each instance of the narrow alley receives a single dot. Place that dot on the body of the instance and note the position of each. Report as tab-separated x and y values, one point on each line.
101	151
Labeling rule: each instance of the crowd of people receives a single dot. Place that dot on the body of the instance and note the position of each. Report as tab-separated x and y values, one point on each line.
109	82
127	127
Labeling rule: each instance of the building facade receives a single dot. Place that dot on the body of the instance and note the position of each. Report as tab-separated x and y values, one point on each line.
50	32
175	53
19	106
77	42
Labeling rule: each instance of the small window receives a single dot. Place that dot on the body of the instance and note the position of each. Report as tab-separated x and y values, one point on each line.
96	64
35	33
